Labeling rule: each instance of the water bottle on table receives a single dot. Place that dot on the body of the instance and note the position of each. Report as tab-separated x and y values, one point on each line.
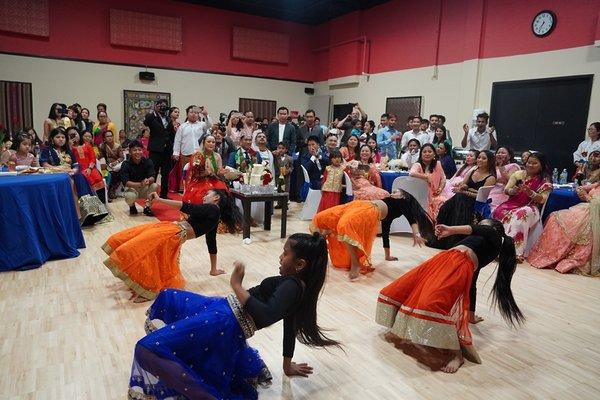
563	177
555	176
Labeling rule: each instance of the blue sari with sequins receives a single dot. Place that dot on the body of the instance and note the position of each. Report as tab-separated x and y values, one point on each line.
200	353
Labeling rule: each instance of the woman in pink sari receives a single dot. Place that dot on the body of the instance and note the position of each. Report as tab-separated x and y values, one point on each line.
528	190
430	170
571	238
366	182
505	167
459	176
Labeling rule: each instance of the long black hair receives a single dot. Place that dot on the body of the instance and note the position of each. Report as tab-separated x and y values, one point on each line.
51	114
541	157
230	214
59	131
502	296
313	250
424	221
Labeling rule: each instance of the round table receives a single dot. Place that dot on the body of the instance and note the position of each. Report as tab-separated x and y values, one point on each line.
39	221
388	177
560	199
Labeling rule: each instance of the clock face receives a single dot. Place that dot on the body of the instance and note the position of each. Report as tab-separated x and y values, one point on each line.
544	23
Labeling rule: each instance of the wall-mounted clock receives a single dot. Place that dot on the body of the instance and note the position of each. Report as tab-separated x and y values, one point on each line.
544	23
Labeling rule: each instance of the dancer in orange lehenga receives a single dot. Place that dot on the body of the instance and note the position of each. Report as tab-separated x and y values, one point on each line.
429	305
350	229
146	257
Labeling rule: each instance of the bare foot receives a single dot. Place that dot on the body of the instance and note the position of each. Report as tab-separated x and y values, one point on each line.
353	275
454	364
473	318
217	272
391	258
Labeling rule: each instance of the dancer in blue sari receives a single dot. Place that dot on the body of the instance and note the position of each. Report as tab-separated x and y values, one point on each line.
200	349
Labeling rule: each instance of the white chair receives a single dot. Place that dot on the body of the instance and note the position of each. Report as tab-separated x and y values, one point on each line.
418	189
348	182
483	193
534	233
313	198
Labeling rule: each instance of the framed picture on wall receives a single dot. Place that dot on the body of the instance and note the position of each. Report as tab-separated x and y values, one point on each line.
137	104
403	107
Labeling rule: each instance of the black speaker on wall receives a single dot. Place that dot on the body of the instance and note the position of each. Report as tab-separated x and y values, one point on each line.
146	76
309	90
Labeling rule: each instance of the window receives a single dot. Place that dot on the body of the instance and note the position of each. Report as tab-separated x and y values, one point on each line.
16	110
260	108
403	107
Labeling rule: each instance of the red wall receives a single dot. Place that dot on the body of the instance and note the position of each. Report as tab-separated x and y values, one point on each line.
80	30
403	33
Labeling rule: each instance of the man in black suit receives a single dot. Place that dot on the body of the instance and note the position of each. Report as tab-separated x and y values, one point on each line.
282	131
160	144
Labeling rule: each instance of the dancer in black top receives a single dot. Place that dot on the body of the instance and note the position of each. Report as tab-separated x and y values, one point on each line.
428	306
201	350
146	257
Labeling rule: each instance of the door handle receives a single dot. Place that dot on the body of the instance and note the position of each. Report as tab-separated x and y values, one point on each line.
558	123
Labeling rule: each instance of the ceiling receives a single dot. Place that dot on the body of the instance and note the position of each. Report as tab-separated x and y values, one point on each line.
308	12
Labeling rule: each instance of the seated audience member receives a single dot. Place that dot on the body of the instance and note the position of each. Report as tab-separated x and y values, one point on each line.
414	133
481	137
388	136
314	162
528	190
85	117
429	169
351	151
101	127
112	152
460	209
570	241
593	166
505	167
86	159
459	176
265	154
205	170
444	152
137	175
124	139
36	142
412	153
245	157
587	146
366	182
372	143
21	154
524	157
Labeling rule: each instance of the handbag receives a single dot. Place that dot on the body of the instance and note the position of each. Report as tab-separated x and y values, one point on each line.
92	210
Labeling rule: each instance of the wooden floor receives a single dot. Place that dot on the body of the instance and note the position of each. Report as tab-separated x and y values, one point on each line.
68	330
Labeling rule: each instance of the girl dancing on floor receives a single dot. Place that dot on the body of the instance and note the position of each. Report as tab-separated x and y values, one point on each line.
351	229
146	257
201	351
429	305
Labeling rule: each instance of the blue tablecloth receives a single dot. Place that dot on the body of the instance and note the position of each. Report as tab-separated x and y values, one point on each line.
387	179
38	221
560	199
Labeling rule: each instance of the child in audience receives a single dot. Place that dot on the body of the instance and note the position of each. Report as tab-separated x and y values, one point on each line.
412	154
21	154
283	166
333	178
